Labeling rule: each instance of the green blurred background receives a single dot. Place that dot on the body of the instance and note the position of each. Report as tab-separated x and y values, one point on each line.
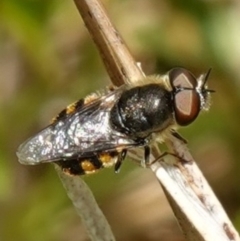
47	60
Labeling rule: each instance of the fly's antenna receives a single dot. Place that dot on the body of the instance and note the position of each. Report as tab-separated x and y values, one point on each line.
205	79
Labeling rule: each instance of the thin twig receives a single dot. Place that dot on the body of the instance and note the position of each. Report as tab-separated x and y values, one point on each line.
86	206
198	211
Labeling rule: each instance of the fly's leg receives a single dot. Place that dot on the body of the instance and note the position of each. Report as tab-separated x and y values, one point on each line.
165	154
146	160
121	157
178	136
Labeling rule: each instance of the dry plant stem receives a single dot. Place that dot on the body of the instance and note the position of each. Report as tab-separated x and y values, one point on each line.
197	210
208	214
112	49
86	206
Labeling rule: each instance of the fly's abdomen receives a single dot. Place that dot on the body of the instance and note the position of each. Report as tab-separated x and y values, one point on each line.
88	165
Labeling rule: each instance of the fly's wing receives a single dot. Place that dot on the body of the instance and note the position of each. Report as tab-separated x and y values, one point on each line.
82	133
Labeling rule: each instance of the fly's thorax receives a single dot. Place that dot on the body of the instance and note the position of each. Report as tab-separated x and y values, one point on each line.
142	110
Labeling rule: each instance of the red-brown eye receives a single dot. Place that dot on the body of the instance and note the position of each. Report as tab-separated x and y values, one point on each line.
187	103
186	106
182	78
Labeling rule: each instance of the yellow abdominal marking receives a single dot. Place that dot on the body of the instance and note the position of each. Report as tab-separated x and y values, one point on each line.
71	108
106	159
90	98
88	167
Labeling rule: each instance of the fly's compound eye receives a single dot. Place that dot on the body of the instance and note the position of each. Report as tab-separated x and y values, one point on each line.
186	99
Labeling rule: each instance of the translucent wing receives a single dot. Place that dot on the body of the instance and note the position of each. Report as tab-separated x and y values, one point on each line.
83	133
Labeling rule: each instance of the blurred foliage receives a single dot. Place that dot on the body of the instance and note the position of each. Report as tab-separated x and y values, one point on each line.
47	60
